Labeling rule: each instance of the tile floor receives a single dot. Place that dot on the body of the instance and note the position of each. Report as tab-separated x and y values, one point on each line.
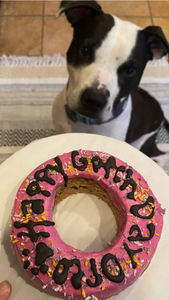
30	27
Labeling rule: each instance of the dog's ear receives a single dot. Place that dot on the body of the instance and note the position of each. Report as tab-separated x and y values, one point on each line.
77	10
156	41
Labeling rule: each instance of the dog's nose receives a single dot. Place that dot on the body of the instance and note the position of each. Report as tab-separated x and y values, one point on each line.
94	100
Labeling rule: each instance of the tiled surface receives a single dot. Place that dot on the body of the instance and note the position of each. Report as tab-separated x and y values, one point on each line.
21	8
164	23
51	7
57	35
21	35
30	27
140	21
125	8
160	8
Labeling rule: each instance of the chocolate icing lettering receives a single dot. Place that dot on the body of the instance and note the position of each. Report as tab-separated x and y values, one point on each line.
35	271
34	189
131	253
98	277
42	253
139	236
117	178
81	160
36	206
127	182
42	175
30	226
60	278
25	252
109	164
43	269
59	168
135	208
115	278
26	264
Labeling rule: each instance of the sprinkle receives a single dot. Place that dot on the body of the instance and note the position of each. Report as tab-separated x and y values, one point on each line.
157	234
152	221
94	298
138	195
22	244
88	170
44	286
44	213
88	298
103	287
86	262
15	241
83	293
84	279
128	261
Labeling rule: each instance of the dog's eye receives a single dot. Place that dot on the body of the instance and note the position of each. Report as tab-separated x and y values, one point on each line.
130	70
86	50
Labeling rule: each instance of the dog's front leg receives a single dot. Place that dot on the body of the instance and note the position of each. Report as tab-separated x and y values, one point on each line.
59	116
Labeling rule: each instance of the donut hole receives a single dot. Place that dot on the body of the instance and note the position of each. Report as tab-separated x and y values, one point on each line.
83	221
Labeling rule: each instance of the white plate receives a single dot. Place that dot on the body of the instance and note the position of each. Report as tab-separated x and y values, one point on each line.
153	284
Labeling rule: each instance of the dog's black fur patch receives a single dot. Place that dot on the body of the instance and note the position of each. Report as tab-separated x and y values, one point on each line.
88	33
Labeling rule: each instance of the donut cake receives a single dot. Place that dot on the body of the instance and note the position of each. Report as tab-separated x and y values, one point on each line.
60	269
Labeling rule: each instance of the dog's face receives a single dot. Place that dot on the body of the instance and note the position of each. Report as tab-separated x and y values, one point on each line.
106	60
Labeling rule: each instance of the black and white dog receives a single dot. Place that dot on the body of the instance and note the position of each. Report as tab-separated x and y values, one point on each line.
105	62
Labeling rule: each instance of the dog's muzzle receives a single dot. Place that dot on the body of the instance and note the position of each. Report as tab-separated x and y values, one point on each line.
93	100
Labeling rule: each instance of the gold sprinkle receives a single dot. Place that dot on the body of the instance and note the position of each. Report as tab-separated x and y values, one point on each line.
44	213
128	261
103	287
152	221
43	218
26	221
15	241
88	170
23	259
22	244
83	293
70	170
86	262
138	195
48	273
157	234
54	263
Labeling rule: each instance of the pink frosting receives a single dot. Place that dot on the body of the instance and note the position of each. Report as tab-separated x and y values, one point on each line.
61	250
